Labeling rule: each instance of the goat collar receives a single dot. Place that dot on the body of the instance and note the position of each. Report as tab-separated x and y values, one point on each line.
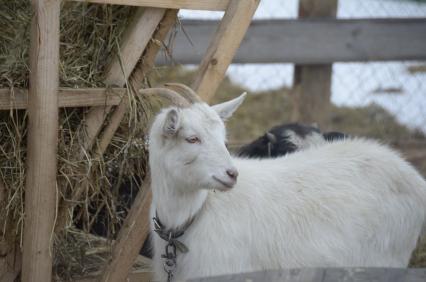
173	244
171	235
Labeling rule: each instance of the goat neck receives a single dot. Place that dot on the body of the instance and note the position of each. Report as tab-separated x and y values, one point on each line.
175	205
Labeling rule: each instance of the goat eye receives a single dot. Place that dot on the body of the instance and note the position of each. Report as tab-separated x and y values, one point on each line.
193	139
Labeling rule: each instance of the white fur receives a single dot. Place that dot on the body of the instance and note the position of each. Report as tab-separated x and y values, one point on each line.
347	203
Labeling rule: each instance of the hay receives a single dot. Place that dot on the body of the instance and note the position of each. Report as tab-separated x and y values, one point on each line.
81	254
90	35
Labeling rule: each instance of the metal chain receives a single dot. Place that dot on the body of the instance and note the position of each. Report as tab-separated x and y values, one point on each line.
169	264
173	245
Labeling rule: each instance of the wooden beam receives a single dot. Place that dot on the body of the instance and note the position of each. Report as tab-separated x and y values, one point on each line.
135	39
131	236
67	97
324	40
137	224
210	5
40	188
312	84
137	78
223	46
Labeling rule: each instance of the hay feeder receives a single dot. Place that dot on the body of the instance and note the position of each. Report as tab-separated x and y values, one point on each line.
142	39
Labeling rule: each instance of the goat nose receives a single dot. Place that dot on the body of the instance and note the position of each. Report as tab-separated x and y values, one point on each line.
232	173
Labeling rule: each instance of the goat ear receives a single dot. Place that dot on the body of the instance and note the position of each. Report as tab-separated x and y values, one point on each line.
226	109
171	123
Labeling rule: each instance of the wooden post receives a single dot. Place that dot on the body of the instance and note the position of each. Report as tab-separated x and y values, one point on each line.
222	48
312	83
40	189
131	237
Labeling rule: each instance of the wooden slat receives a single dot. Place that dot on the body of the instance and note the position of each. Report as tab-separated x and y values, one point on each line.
137	77
67	97
223	46
326	275
134	41
323	41
137	224
312	83
210	5
131	236
40	188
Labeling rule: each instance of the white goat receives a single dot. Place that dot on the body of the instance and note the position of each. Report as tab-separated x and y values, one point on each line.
349	203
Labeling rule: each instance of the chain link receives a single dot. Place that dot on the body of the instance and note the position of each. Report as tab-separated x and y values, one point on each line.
169	255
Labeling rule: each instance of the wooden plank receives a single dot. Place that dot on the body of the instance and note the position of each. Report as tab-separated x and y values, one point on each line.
325	275
210	5
137	224
134	41
323	40
312	84
131	236
67	97
138	76
40	188
223	46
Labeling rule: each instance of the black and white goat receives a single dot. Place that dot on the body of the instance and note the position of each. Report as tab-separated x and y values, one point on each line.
287	138
351	203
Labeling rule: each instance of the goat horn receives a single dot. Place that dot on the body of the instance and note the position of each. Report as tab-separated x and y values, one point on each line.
166	94
185	91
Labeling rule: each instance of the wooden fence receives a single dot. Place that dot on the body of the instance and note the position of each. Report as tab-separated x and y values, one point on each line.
313	42
324	41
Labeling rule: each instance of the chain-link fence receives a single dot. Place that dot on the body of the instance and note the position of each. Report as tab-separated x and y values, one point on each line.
399	88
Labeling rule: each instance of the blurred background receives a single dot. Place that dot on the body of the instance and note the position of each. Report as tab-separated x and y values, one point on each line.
364	93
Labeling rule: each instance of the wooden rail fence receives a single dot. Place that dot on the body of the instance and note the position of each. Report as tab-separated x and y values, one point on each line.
311	41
